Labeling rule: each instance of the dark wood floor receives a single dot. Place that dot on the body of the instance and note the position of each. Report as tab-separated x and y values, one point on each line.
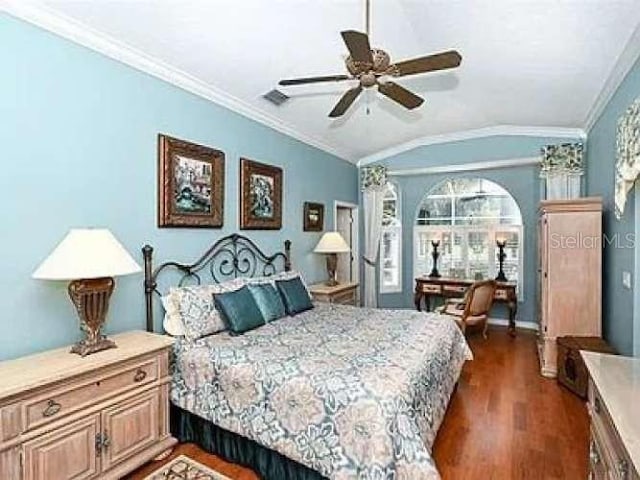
505	421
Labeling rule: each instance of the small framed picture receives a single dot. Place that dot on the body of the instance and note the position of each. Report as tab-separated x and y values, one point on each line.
190	184
260	196
313	217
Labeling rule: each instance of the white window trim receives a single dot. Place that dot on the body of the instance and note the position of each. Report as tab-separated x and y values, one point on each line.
397	229
491	230
397	288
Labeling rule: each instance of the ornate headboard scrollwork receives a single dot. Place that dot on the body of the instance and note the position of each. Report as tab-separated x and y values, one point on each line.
230	257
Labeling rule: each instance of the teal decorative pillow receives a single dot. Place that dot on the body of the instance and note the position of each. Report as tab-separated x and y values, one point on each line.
294	295
268	300
239	310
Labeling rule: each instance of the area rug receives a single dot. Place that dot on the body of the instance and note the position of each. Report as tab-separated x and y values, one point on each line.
184	468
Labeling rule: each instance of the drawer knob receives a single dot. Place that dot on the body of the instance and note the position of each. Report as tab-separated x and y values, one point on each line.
596	405
593	454
53	407
140	375
623	469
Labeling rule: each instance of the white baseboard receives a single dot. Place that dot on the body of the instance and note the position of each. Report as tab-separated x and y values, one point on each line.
503	322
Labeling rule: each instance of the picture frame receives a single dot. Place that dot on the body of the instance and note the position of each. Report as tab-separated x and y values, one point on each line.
260	196
190	184
313	217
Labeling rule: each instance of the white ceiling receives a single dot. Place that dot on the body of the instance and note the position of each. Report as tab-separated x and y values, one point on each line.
537	63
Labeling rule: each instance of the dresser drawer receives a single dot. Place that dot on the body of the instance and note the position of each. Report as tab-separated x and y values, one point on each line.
501	294
346	298
66	399
428	288
620	466
599	465
454	289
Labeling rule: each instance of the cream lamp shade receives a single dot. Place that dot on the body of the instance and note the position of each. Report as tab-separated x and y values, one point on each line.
89	258
332	242
87	253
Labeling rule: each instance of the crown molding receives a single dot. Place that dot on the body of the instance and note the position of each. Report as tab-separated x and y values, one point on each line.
466	167
623	65
499	130
84	35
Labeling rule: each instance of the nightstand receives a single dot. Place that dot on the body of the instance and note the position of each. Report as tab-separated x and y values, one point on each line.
101	416
343	293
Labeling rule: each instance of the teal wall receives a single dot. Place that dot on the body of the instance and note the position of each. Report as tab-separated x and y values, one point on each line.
523	183
618	302
79	134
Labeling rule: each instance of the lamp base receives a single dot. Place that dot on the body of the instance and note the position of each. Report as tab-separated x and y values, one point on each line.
91	299
332	266
501	277
84	348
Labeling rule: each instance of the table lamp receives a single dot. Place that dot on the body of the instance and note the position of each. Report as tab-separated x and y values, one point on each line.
90	258
331	244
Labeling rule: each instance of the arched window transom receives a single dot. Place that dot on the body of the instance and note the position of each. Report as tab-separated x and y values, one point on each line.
467	215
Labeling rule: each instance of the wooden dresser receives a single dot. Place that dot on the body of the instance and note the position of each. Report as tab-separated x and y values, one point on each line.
614	396
570	274
66	417
343	293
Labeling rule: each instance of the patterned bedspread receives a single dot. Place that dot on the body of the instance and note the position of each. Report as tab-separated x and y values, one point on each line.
349	392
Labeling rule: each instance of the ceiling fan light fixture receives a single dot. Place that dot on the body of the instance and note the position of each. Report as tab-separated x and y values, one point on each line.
367	64
368	80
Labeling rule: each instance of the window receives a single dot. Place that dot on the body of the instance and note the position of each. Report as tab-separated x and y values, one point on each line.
467	216
391	242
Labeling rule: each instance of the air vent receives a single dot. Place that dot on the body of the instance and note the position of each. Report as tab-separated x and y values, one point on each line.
276	97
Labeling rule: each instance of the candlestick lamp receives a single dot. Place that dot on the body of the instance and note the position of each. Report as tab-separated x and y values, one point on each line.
501	243
89	258
435	254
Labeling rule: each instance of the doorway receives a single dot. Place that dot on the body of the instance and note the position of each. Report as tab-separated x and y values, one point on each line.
346	223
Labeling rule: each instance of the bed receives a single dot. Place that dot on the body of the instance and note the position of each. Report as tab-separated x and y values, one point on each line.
334	392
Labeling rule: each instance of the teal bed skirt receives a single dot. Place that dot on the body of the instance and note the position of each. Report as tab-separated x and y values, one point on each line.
268	464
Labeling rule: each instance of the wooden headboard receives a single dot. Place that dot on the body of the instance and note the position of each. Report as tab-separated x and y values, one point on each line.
230	257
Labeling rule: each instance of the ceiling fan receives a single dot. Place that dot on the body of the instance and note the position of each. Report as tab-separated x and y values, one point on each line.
371	66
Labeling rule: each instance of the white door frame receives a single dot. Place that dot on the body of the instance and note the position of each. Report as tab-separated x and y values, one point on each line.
355	237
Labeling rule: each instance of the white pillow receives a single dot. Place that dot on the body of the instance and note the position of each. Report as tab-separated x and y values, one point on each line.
195	301
172	322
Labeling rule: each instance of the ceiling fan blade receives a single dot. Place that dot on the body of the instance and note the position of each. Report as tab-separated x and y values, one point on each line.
358	46
400	94
345	102
430	63
301	81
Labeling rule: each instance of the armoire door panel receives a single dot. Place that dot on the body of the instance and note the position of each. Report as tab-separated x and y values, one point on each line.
574	252
65	454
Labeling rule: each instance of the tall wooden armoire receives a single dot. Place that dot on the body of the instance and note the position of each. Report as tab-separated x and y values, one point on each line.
570	273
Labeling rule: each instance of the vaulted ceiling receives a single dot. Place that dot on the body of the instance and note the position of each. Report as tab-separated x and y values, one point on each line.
527	63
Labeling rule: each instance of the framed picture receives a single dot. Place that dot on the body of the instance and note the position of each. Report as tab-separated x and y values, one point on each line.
313	217
190	184
260	196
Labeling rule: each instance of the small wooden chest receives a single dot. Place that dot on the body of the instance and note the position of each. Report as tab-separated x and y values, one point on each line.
572	372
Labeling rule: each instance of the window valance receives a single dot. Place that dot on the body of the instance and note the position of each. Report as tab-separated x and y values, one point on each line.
627	155
374	177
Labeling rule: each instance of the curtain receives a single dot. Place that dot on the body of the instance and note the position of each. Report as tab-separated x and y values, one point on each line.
627	155
562	169
373	182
